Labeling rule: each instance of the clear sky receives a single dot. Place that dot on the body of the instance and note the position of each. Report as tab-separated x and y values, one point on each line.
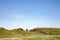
29	13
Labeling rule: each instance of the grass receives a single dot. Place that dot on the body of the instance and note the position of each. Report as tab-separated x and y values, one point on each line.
47	31
42	37
33	34
36	38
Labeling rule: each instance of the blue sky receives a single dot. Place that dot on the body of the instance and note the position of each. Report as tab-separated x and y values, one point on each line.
29	13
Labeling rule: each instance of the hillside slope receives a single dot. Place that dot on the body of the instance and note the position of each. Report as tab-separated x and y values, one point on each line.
47	31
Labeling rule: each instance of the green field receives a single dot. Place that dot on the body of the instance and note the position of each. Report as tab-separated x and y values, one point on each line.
34	37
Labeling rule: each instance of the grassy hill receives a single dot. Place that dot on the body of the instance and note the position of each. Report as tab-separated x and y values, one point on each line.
4	31
47	31
12	33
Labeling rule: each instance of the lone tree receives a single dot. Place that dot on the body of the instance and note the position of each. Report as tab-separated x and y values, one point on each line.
26	29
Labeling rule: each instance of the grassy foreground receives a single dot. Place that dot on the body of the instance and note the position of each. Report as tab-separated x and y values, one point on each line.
37	37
